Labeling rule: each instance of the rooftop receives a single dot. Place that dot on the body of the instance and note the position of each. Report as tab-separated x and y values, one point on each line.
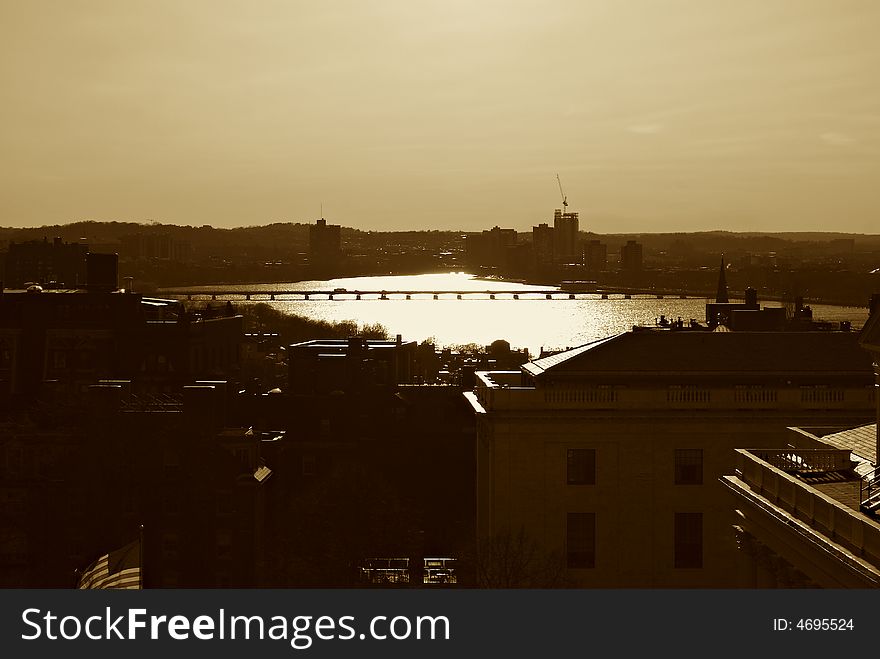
862	441
345	344
711	352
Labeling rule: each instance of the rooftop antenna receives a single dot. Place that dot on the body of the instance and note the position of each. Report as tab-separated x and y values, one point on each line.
322	210
564	198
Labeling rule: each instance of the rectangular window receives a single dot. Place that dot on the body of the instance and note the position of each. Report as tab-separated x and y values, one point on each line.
59	359
580	540
688	540
581	466
688	466
243	455
224	544
224	502
170	547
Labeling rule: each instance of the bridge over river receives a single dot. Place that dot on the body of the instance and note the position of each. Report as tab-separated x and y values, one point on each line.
239	294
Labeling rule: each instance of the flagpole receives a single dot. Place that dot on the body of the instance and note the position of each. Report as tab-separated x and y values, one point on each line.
142	557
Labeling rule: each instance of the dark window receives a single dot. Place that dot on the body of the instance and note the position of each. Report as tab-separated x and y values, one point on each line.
688	540
59	359
170	547
688	466
580	540
224	544
14	460
243	455
5	355
224	502
581	466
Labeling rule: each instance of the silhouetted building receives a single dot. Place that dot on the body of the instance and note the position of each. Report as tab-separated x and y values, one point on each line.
325	243
350	365
595	256
362	466
69	339
609	454
543	244
165	462
768	319
42	262
155	246
722	311
631	258
102	272
490	248
749	316
565	236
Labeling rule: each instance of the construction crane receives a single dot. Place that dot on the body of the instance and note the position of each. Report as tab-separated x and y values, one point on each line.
564	198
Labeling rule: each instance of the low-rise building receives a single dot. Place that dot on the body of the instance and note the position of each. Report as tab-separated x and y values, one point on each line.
70	338
608	456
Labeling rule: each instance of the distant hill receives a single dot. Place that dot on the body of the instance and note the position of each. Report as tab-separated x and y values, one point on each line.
283	238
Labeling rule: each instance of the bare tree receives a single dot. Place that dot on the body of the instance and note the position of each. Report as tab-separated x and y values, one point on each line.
515	560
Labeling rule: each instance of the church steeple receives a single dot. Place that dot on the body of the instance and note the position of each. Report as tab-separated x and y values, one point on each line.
721	295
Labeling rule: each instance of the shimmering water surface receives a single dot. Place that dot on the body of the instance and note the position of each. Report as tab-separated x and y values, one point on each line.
530	322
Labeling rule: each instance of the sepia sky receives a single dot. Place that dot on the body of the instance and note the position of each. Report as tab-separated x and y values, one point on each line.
659	115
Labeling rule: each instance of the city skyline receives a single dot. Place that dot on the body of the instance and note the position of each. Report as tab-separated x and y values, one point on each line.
675	116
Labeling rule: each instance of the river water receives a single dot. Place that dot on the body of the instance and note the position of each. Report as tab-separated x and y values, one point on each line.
531	322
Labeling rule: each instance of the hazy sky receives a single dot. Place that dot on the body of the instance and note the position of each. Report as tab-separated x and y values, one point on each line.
658	115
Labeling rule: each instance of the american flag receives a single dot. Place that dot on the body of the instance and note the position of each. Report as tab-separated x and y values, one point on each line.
118	569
